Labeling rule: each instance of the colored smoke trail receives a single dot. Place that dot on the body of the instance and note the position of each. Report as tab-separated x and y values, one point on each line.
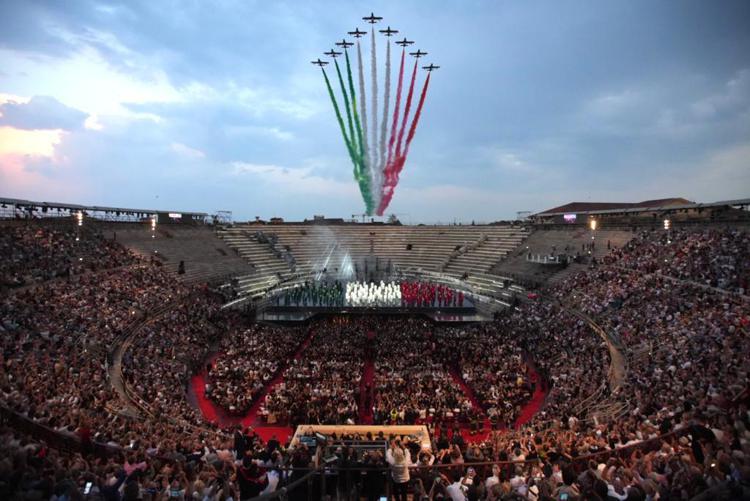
392	179
340	120
352	138
365	150
362	180
378	147
357	124
374	92
407	108
365	180
392	164
380	171
394	124
417	114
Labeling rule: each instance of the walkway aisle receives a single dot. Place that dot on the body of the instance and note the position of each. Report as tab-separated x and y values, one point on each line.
537	399
367	383
212	412
465	432
528	411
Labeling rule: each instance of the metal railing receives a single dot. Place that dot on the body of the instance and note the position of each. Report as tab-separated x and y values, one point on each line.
318	477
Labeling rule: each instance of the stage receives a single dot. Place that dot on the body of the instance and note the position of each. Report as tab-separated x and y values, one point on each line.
297	314
306	301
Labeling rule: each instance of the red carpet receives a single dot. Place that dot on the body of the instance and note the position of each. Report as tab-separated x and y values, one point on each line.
465	431
529	410
214	413
537	399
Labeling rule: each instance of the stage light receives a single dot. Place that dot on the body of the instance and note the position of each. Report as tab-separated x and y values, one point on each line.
79	216
667	224
592	224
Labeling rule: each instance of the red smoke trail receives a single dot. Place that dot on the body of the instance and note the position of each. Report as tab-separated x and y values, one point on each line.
391	179
407	108
414	123
392	140
391	166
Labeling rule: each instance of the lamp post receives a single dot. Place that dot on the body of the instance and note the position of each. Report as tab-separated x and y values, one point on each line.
592	225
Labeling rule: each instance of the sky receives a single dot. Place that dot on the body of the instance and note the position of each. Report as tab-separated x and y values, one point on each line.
207	106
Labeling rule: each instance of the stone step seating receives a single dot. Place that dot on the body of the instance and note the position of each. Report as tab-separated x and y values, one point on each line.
491	250
259	254
428	247
491	285
256	284
541	242
206	257
315	248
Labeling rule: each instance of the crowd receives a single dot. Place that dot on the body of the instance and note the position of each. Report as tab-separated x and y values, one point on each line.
34	253
680	429
412	382
490	360
247	361
322	385
714	257
167	351
55	341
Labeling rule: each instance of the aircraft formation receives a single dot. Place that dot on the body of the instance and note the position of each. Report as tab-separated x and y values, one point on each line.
377	147
373	19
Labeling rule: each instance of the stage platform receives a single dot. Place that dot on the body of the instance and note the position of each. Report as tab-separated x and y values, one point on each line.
291	314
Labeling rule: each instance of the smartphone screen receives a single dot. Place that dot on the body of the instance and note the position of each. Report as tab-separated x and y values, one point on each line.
87	488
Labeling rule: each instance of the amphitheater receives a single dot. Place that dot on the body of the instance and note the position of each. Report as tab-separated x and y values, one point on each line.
216	359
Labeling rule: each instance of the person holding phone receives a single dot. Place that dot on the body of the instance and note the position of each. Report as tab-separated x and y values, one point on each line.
569	490
399	459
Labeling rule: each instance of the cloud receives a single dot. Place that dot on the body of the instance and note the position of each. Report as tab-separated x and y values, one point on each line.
29	142
677	107
582	101
186	151
723	174
41	113
255	130
299	180
735	96
506	161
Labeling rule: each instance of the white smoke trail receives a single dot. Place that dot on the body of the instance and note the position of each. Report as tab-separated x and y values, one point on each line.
363	108
377	187
374	92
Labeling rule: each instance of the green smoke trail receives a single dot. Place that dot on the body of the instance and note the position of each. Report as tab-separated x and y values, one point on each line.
338	117
362	180
363	106
358	124
352	138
